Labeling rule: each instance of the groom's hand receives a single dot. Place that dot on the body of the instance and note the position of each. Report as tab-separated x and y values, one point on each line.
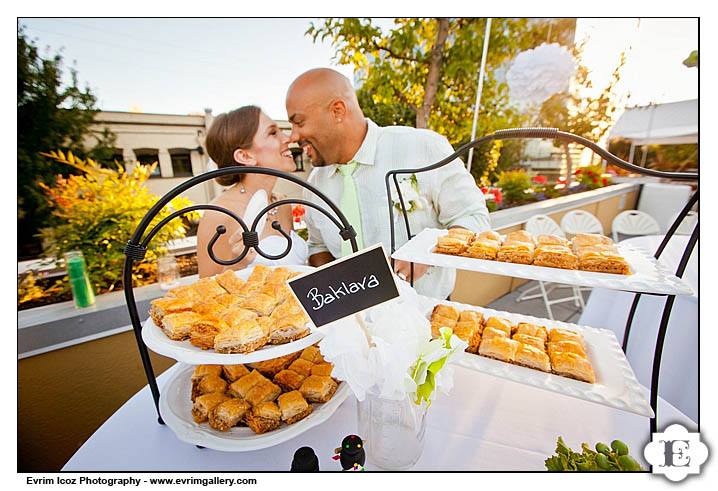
403	270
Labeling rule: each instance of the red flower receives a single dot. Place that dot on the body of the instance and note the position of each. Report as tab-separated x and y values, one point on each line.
605	181
540	179
484	190
595	180
298	212
497	195
576	172
589	173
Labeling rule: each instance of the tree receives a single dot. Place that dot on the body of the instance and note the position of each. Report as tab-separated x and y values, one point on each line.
49	117
424	72
573	112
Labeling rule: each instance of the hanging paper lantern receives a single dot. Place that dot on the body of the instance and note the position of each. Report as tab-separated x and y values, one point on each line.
539	73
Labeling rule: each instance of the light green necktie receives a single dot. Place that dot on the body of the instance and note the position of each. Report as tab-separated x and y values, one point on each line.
349	204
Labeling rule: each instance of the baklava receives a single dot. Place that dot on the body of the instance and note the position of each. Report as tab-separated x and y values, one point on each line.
451	244
204	403
168	305
186	292
584	240
567	347
208	306
278	276
293	407
447	312
532	357
500	324
259	274
260	303
565	335
230	281
288	329
573	366
234	372
177	326
489	235
532	330
516	252
550	239
555	256
244	337
228	300
208	288
264	391
519	236
318	388
269	368
301	366
499	348
204	331
228	414
483	249
469	331
208	385
492	332
263	417
602	259
312	354
323	368
289	379
235	315
204	370
240	388
530	340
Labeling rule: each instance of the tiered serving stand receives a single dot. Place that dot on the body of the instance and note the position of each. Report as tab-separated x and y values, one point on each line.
648	277
150	335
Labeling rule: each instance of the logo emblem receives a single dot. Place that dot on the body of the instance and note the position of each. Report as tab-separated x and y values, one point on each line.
676	453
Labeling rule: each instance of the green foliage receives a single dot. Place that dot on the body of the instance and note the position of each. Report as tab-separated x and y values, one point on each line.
49	116
98	211
603	459
394	67
513	185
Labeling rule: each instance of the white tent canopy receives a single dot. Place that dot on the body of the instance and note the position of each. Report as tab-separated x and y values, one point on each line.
659	124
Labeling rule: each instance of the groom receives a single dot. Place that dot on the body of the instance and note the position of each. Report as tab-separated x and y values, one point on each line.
351	155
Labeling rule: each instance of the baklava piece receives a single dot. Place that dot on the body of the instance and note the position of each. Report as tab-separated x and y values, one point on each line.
447	312
323	368
264	391
204	331
318	388
161	307
230	281
565	335
492	332
471	315
602	259
532	357
450	244
312	354
489	235
249	289
228	414
499	348
516	252
236	315
204	404
264	417
204	370
278	292
269	368
289	380
208	385
483	249
228	300
573	366
278	276
555	256
301	366
234	372
244	337
177	326
550	239
260	303
186	292
462	233
208	288
470	332
208	306
259	274
532	330
293	407
567	347
530	340
288	329
520	236
500	324
240	388
584	240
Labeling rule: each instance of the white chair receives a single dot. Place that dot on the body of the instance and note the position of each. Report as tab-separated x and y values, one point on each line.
687	225
540	225
634	222
580	222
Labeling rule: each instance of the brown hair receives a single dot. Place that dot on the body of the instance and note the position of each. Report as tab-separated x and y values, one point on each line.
230	131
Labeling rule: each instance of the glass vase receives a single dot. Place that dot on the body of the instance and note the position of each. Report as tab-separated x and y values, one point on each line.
393	431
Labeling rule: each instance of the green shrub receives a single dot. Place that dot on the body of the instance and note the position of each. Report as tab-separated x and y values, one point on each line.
513	185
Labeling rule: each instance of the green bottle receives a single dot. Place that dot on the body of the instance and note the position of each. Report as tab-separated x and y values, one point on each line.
79	281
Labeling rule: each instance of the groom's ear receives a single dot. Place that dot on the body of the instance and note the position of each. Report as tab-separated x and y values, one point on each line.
244	157
338	108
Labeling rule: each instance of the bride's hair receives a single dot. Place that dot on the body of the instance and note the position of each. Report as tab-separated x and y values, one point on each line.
230	131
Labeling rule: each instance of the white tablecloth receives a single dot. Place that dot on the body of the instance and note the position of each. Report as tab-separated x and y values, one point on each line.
608	309
485	423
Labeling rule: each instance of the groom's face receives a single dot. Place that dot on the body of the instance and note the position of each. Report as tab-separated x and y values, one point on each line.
314	129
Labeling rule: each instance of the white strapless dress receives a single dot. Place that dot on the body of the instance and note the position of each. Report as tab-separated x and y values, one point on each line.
276	244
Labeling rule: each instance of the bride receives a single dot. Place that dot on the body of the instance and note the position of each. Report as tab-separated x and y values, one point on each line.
247	137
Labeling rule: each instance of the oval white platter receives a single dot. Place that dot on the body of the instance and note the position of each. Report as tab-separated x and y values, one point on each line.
647	274
176	411
183	351
616	385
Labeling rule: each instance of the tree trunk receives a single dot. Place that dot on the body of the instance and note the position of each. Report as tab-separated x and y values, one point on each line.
569	165
432	80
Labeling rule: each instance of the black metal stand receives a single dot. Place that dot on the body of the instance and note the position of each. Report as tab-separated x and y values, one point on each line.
136	247
555	134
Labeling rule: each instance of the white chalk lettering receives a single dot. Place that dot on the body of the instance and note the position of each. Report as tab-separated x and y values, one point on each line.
338	292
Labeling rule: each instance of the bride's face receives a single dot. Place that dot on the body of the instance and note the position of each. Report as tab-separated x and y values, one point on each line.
270	146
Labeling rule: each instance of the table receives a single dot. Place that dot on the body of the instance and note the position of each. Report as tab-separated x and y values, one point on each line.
483	424
608	309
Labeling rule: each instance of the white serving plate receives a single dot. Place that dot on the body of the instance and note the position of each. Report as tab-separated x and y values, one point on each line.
647	274
616	385
176	411
183	351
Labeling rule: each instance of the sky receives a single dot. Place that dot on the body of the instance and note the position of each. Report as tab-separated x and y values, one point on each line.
182	66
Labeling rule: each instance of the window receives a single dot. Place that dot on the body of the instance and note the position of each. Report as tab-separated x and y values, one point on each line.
181	163
148	156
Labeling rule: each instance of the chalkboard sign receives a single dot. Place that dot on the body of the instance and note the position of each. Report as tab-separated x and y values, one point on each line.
346	286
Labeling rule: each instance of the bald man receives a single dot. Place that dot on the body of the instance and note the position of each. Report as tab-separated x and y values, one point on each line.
351	156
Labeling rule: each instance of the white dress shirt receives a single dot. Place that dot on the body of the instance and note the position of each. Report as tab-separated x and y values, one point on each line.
450	193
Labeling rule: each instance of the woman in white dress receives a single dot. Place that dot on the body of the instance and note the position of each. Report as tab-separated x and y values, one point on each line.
247	137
